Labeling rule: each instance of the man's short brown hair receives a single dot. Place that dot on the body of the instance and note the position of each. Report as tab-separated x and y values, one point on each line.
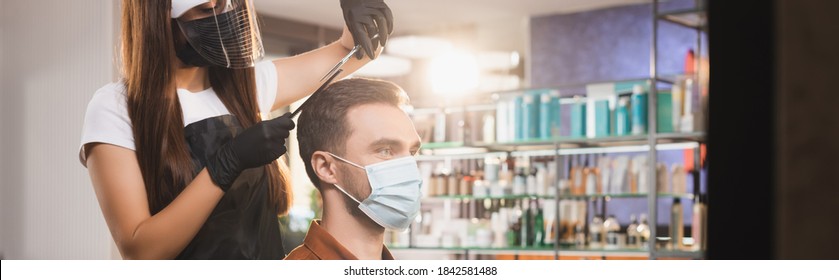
323	126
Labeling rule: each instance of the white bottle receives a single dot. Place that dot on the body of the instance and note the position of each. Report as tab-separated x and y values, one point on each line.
643	231
632	233
612	229
440	127
499	228
520	182
489	128
677	94
686	124
531	182
542	175
639	165
605	165
596	231
501	121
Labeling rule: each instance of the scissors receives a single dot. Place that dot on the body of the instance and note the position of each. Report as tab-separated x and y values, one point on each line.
332	74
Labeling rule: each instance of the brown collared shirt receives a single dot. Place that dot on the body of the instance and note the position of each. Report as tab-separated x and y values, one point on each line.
320	245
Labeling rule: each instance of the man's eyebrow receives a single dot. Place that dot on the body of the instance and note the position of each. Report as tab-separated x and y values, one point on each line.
386	142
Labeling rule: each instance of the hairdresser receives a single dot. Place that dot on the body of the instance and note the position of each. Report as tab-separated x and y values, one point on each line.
182	164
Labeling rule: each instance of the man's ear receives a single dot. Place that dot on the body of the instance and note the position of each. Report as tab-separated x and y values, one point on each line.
324	166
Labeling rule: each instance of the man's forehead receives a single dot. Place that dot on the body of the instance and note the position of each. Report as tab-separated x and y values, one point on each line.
380	121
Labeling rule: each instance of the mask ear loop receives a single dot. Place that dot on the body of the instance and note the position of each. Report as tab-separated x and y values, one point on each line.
339	187
346	193
347	161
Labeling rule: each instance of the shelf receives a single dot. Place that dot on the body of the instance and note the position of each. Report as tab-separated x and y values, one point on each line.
533	251
605	252
671	254
456	197
567	142
443	150
458	154
681	137
442	145
567	146
507	249
627	195
609	141
691	18
673	78
609	196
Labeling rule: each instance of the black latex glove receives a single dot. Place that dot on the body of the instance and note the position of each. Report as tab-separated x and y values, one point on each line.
366	18
258	145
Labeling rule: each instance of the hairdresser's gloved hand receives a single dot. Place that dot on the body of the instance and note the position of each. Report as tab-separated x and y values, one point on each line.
366	18
258	145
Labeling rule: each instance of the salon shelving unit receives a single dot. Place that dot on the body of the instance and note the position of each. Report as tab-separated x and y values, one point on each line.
557	147
693	18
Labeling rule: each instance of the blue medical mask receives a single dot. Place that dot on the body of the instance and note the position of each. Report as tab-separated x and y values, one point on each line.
394	199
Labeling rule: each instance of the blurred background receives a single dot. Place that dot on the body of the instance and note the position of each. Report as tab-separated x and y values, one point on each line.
512	98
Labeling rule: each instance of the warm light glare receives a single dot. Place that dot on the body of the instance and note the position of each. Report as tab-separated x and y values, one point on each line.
454	73
498	60
386	66
417	47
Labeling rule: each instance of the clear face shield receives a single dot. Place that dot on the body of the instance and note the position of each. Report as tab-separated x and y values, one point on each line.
223	33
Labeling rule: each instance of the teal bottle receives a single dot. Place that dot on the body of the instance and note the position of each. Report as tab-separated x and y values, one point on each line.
530	116
578	118
622	123
517	118
639	110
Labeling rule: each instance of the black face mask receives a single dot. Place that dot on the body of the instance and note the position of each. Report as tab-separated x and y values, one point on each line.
189	56
225	40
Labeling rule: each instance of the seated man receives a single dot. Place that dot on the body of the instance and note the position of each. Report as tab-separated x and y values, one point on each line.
358	146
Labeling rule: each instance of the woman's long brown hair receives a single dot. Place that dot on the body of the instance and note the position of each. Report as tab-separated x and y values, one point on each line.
148	56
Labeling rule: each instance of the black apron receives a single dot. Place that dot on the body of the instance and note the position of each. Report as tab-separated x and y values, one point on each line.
243	225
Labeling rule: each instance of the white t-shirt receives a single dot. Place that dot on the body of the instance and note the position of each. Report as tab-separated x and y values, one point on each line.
107	121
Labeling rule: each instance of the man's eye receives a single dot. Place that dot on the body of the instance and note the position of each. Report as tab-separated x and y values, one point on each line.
385	152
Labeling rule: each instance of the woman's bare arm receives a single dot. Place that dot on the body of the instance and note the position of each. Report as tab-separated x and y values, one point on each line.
119	187
299	76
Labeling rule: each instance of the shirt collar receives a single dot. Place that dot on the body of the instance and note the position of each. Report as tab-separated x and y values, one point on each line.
326	247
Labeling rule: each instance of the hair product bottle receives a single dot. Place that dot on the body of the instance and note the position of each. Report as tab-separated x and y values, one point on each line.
592	178
698	231
639	110
676	225
526	235
538	224
454	182
643	231
612	229
442	184
577	178
596	233
632	233
662	184
432	185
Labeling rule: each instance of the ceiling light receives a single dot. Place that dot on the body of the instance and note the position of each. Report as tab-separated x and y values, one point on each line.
454	73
